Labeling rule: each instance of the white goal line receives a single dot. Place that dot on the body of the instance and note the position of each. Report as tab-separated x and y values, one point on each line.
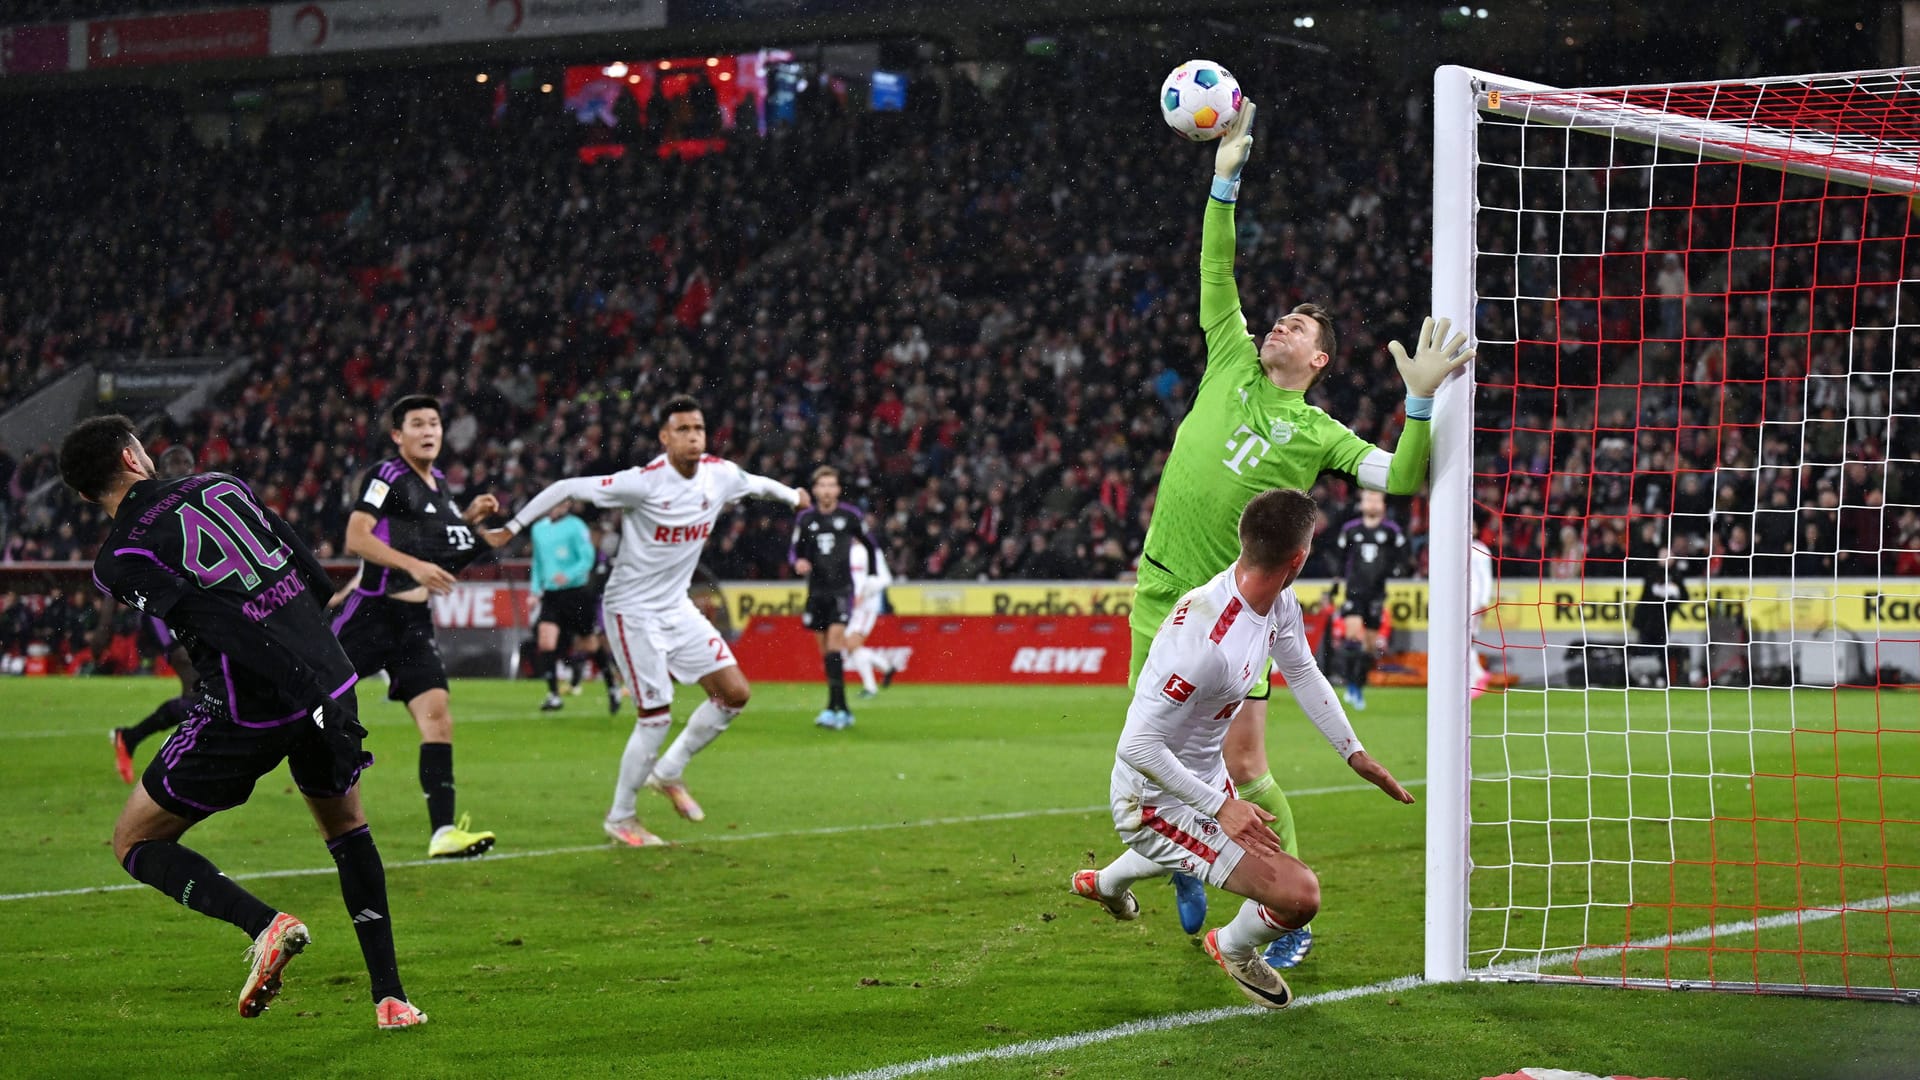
1059	1043
695	842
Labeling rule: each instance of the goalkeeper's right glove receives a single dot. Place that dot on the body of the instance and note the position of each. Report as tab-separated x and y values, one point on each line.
1230	154
1429	365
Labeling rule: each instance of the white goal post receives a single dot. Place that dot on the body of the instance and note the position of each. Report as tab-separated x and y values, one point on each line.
1741	809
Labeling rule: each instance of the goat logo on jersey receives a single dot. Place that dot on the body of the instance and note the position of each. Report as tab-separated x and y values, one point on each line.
1178	689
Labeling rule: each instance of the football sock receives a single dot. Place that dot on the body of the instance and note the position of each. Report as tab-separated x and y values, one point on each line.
863	667
1351	660
363	885
836	680
1119	875
1253	927
637	760
170	713
576	667
603	660
436	781
547	660
704	726
1264	792
185	875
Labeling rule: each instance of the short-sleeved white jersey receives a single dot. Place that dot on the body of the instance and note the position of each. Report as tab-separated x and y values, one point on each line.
1209	652
664	524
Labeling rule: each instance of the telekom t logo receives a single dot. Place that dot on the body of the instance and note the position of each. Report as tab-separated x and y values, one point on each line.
1247	449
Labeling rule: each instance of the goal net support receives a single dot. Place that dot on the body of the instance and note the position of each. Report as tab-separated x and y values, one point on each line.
1691	455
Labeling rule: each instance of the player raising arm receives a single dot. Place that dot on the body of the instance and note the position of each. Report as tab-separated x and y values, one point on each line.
1250	430
668	508
1173	803
243	594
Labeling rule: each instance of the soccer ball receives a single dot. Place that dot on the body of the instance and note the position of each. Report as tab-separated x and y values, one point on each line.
1199	99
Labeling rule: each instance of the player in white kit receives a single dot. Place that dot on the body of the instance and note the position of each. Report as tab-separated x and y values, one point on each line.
654	631
870	592
1173	804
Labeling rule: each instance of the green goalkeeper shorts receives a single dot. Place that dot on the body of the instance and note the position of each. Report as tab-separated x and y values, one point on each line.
1153	601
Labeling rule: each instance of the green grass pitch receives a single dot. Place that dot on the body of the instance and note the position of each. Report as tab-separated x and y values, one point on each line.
854	902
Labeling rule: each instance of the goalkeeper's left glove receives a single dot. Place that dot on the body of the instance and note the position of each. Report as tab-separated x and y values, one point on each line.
1430	364
1230	154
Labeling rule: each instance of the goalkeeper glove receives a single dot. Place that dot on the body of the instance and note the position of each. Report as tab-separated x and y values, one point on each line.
1230	154
1430	364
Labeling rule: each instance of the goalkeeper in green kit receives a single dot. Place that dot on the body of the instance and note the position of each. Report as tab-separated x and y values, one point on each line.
1250	430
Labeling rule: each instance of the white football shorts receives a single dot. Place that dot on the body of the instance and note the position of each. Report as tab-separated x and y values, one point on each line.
865	611
655	648
1181	839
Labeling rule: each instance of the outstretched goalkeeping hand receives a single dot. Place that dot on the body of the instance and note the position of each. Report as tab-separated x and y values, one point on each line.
1230	154
1430	364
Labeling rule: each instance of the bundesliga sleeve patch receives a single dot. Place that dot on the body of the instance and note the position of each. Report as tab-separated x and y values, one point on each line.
1178	689
376	493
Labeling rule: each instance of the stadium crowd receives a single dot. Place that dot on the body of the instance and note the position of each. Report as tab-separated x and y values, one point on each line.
970	329
982	311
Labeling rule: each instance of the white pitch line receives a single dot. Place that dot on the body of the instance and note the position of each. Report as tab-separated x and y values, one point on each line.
723	838
1775	921
1058	1043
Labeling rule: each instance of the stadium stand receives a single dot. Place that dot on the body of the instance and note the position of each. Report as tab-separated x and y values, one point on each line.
981	310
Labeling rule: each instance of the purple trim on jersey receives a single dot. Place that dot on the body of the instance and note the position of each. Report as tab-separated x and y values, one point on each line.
202	807
366	762
101	585
391	470
353	605
340	841
436	474
160	633
233	696
383	532
793	549
188	734
148	554
297	714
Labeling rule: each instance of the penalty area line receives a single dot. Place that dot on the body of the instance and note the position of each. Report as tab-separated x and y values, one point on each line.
692	843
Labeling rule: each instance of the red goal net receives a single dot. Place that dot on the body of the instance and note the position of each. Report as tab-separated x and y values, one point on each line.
1695	444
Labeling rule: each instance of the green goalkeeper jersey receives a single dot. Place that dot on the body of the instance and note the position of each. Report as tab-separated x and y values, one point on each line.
1244	435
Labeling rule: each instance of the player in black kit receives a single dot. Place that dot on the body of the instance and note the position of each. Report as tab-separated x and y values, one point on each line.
241	591
1373	549
823	540
175	462
413	540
